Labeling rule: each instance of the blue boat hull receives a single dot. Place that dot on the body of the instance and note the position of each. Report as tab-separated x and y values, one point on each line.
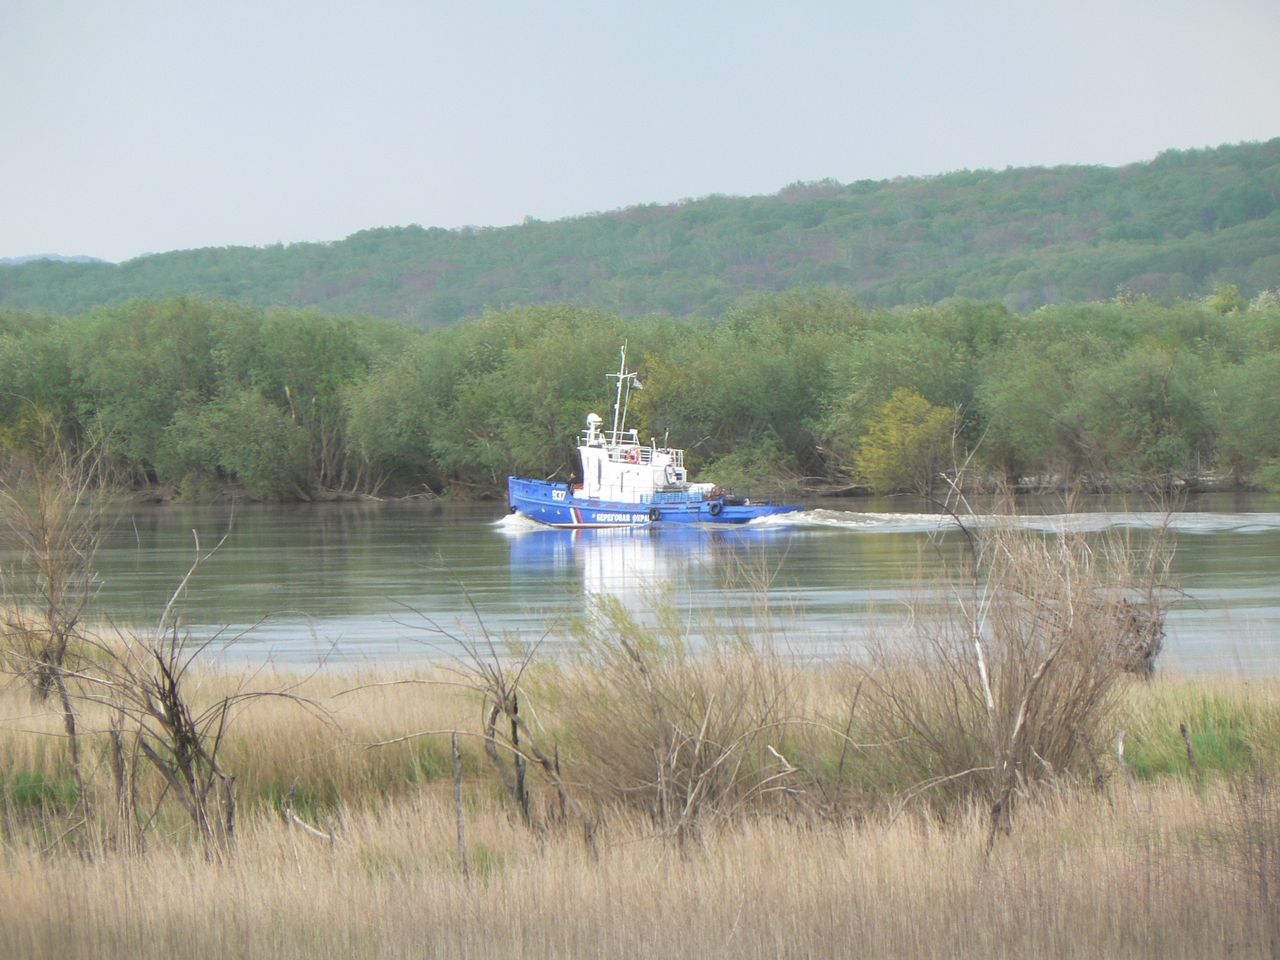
555	505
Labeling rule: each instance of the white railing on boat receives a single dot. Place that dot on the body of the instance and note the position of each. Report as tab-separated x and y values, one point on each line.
636	454
625	447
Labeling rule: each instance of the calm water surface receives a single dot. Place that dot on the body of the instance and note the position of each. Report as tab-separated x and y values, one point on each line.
364	584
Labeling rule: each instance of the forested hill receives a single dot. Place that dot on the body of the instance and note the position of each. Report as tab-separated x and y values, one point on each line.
1174	227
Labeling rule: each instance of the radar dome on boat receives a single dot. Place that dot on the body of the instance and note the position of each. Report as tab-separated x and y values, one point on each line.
593	420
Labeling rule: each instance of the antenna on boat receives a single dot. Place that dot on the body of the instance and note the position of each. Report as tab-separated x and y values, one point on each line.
617	404
624	400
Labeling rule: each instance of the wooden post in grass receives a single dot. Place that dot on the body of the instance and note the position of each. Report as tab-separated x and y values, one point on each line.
521	765
1191	754
457	804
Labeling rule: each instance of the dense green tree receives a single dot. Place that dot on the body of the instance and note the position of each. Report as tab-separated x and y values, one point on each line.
35	371
533	375
1026	398
908	444
761	376
1249	399
931	351
393	414
240	438
1226	299
305	365
1148	415
137	364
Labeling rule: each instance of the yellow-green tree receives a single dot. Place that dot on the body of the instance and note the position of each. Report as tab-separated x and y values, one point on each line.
907	444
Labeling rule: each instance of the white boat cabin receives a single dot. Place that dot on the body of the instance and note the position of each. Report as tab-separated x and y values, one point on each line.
617	466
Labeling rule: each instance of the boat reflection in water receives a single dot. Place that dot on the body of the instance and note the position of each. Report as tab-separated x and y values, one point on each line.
736	583
707	573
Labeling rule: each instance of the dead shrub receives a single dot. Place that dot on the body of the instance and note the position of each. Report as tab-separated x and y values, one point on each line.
50	517
1012	679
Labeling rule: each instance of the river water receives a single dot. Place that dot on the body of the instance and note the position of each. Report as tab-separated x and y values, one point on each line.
377	584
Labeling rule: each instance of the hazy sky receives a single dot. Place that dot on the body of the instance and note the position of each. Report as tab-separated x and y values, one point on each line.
133	126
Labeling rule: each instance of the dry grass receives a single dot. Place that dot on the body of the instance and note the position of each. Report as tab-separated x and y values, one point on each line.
1155	867
733	803
1158	871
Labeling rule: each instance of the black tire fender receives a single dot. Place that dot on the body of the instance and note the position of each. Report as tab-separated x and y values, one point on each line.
716	508
654	514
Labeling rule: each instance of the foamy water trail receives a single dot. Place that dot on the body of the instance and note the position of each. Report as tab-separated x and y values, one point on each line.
518	523
864	522
1189	522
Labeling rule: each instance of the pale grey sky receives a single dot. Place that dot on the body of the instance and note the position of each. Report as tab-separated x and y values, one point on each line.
139	126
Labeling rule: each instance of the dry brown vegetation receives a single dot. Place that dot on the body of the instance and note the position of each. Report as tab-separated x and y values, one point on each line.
1137	866
955	791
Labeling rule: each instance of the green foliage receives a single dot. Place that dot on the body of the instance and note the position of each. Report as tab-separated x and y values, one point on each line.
305	364
136	365
1024	237
315	802
1267	475
757	467
534	375
790	388
241	438
759	376
908	443
193	390
1229	736
33	790
1025	400
1148	415
1249	398
932	352
1226	299
394	412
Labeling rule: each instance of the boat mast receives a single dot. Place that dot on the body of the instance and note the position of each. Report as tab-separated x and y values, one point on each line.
617	405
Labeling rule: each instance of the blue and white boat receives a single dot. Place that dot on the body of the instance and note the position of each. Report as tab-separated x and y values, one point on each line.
628	483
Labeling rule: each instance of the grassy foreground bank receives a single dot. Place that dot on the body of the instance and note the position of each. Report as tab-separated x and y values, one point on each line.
829	848
998	777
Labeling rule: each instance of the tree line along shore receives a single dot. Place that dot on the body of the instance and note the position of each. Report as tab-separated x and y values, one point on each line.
799	391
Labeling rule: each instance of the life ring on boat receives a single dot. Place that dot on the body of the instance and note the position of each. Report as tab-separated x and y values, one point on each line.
633	454
716	508
654	514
